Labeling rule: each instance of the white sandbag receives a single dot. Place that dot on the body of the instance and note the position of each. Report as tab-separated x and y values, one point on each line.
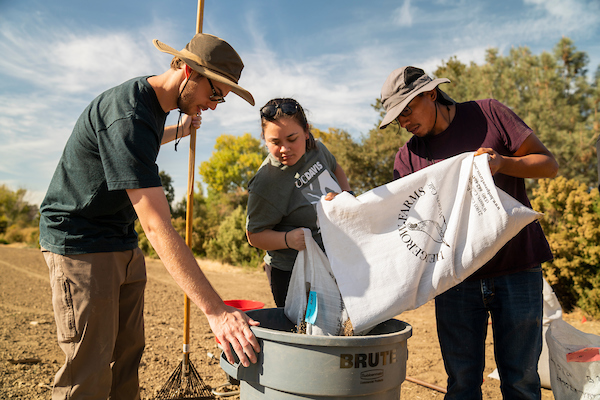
397	246
572	376
552	311
313	296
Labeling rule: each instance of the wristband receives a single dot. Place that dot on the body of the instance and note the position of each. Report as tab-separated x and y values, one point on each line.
285	238
351	192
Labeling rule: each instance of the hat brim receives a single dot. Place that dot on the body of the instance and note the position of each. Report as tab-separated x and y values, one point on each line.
393	112
207	72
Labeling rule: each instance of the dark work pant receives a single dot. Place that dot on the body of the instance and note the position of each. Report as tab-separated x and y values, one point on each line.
279	281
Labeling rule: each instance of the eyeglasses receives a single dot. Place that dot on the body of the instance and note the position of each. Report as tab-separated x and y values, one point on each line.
215	97
288	107
407	110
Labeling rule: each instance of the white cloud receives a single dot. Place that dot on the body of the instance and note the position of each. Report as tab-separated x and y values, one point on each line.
70	61
336	89
563	9
96	61
403	16
33	136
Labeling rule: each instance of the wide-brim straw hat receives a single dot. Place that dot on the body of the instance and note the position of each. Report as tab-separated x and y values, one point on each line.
213	58
403	85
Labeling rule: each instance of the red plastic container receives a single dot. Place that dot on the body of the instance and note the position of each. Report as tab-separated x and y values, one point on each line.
245	305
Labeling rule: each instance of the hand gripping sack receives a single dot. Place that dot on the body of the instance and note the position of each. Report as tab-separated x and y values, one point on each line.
396	247
313	299
574	362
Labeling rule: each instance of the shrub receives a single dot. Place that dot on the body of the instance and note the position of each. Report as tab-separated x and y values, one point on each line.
199	233
29	235
18	219
230	244
572	225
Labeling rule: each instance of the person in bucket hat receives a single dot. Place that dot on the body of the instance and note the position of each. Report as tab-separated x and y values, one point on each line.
405	84
106	178
212	58
509	286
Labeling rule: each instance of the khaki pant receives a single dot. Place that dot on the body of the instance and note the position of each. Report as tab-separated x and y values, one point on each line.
98	302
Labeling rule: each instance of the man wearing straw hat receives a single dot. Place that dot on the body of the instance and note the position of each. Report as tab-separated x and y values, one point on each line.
106	175
509	286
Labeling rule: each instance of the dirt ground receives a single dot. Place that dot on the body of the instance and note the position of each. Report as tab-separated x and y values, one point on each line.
30	356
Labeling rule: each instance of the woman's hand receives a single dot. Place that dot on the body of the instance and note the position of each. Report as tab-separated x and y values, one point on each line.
330	196
295	239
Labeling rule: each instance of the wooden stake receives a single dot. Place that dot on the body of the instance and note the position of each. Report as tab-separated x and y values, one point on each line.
189	214
426	384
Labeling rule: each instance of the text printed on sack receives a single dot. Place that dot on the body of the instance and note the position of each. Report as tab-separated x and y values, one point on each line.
481	194
417	234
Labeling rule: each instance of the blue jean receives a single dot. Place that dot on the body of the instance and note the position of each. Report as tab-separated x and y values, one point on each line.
515	304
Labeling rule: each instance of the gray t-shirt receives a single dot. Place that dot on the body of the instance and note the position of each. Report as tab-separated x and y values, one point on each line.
113	147
283	198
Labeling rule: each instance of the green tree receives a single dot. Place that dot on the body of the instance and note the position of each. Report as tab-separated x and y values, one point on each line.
550	92
344	149
167	184
378	151
233	163
230	244
369	162
203	227
227	174
571	223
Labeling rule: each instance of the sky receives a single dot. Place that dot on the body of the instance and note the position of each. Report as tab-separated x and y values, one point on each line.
331	55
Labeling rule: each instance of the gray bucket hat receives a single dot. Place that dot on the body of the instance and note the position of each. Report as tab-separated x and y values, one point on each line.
214	58
401	86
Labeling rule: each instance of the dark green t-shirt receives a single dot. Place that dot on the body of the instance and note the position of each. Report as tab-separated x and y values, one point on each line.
113	147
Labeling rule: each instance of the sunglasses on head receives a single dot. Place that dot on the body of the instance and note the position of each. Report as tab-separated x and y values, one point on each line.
287	107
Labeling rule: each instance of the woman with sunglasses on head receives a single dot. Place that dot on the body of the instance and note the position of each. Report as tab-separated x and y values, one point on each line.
282	195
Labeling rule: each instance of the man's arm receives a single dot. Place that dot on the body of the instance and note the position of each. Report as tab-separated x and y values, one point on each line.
229	325
184	128
531	160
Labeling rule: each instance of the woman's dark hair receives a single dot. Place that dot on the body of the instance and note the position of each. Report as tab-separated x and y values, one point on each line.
277	111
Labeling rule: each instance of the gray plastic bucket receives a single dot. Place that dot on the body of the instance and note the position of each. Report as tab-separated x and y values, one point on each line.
295	366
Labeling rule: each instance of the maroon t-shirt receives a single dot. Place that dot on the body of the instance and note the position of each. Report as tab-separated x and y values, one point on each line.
483	123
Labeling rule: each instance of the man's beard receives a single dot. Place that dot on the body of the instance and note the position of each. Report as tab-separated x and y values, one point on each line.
183	101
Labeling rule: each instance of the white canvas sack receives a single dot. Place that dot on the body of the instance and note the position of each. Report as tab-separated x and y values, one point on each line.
313	292
399	245
574	362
